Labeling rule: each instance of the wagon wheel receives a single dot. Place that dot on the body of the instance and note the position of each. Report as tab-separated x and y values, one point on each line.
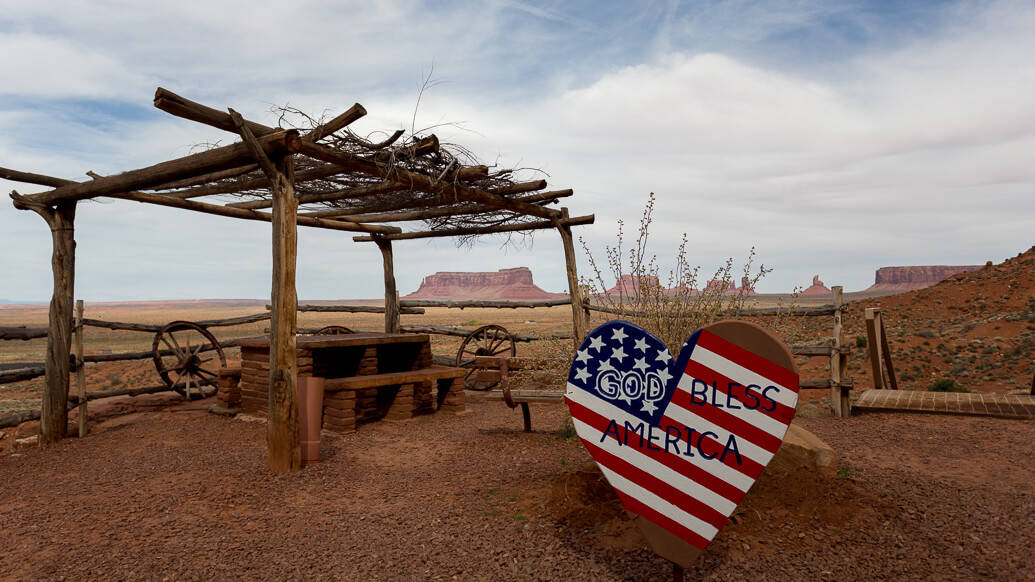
334	330
179	352
488	340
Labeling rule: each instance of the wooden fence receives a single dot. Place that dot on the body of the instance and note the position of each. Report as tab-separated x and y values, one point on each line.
834	349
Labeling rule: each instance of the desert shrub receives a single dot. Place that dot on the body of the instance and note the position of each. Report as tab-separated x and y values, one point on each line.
672	302
860	341
946	385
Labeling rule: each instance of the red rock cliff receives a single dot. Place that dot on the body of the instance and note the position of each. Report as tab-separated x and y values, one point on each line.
918	277
505	284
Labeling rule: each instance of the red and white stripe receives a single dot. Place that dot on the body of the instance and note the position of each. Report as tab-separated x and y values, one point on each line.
691	497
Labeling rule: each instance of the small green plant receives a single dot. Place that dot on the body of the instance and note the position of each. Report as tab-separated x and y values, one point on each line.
860	341
471	322
564	462
845	472
567	431
520	517
946	385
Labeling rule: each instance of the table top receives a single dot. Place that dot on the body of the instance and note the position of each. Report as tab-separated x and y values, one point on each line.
340	341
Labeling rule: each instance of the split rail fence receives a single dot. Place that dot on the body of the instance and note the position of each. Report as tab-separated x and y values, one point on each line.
835	348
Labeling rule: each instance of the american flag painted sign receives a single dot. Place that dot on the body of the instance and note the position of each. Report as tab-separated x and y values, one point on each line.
681	439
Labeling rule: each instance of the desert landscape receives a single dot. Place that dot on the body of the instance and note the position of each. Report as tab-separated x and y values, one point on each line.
551	291
498	503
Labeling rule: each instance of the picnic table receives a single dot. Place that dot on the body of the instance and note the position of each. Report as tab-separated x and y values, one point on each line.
368	376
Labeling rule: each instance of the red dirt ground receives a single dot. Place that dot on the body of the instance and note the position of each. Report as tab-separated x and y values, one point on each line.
181	494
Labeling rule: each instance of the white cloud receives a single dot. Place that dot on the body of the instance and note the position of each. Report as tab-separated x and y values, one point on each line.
915	154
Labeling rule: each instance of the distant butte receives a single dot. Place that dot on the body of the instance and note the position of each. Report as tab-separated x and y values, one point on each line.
817	288
506	284
902	279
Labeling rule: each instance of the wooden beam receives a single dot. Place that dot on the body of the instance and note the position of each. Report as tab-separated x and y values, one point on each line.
539	225
391	294
285	453
25	202
415	181
182	107
219	210
426	214
348	116
206	178
357	192
317	173
30	178
578	314
200	163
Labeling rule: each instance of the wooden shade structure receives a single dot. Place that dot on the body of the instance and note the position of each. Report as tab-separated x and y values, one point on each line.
324	178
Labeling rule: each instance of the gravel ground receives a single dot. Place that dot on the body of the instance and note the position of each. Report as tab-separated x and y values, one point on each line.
181	494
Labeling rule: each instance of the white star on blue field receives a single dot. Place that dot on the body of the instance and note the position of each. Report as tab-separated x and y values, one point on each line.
602	367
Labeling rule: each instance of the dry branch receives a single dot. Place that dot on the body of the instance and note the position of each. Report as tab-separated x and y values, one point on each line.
416	181
539	225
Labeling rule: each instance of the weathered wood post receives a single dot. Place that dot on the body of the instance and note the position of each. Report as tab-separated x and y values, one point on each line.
282	438
391	294
578	316
285	453
61	219
839	401
80	367
873	331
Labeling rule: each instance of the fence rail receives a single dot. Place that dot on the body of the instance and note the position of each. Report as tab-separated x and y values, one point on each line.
483	303
813	311
22	333
16	418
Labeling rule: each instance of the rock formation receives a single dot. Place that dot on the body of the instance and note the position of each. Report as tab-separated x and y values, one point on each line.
630	285
900	279
817	288
505	285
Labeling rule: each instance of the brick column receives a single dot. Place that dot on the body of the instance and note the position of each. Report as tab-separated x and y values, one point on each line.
402	405
454	401
339	411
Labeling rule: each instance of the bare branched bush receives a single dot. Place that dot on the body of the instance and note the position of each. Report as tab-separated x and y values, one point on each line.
672	303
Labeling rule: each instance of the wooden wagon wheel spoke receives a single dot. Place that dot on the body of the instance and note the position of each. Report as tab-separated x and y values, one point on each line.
188	374
175	349
488	340
207	373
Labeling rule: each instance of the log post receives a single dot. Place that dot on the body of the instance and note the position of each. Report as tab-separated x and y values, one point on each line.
391	294
578	317
61	219
838	395
80	367
282	428
285	453
873	345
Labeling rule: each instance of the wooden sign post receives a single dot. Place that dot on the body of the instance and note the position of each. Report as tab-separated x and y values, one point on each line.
682	440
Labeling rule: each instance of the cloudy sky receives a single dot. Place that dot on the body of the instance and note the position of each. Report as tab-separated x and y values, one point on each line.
835	137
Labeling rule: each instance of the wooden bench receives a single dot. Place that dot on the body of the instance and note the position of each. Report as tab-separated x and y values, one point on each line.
498	369
356	398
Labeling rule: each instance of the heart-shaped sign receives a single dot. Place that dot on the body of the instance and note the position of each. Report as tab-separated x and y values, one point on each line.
682	441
